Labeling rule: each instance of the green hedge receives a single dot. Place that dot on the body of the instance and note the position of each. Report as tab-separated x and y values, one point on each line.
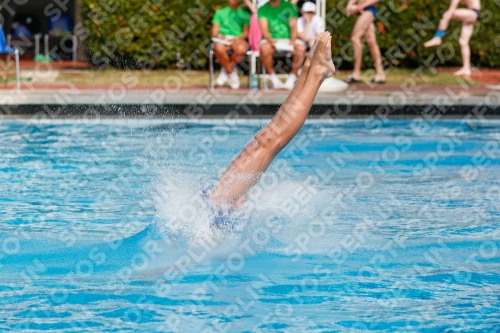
176	33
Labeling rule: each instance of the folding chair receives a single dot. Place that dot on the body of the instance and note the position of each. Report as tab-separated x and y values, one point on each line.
211	56
321	11
5	49
253	65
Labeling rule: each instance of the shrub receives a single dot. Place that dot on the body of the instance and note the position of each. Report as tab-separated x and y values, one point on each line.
403	26
176	33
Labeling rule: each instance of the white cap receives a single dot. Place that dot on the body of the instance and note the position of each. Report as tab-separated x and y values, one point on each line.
309	7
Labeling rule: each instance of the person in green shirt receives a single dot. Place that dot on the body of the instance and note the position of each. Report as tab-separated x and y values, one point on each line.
278	23
230	31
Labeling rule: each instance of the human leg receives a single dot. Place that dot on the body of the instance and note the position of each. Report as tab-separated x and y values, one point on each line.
247	168
266	56
298	57
371	40
297	61
363	22
461	14
465	15
300	82
221	55
443	25
225	62
465	35
469	18
289	101
240	48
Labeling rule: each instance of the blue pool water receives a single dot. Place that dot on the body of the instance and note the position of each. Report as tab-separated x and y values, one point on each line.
359	225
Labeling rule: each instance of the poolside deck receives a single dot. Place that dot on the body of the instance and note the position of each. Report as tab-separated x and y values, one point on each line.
151	101
52	97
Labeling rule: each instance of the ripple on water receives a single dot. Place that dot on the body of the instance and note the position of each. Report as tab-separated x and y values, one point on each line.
399	248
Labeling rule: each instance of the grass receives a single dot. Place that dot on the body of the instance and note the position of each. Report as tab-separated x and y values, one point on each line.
398	76
172	78
14	79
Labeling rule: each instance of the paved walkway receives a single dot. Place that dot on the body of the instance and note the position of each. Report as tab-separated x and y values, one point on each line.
36	94
191	102
358	100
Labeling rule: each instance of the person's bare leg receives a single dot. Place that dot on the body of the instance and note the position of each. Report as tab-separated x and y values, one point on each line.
469	18
465	15
300	82
298	58
247	168
371	40
461	14
266	57
223	57
364	21
239	52
465	35
291	97
442	26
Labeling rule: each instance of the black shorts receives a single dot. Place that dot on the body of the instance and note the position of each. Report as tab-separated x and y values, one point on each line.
478	13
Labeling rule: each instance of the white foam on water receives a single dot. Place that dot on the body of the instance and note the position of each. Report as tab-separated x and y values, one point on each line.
283	218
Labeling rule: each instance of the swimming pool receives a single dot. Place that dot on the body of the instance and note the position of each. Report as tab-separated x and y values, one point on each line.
358	225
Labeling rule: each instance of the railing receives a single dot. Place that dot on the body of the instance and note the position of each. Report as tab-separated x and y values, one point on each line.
46	39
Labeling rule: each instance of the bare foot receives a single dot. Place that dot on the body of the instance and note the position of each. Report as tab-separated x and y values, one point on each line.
322	64
435	41
462	72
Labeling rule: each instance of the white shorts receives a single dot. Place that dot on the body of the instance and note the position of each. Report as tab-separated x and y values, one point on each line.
282	44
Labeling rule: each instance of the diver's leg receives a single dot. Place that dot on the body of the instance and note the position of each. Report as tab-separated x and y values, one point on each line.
255	158
300	82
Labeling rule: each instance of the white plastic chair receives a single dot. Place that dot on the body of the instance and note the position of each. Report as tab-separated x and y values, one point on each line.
211	59
264	76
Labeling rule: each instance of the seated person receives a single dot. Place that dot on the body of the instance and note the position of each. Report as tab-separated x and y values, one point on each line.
278	22
309	25
230	25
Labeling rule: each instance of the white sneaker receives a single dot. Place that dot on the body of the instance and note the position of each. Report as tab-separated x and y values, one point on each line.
222	78
277	84
290	82
234	79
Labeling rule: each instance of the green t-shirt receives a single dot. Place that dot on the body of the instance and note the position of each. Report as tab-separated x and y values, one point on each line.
278	18
231	21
